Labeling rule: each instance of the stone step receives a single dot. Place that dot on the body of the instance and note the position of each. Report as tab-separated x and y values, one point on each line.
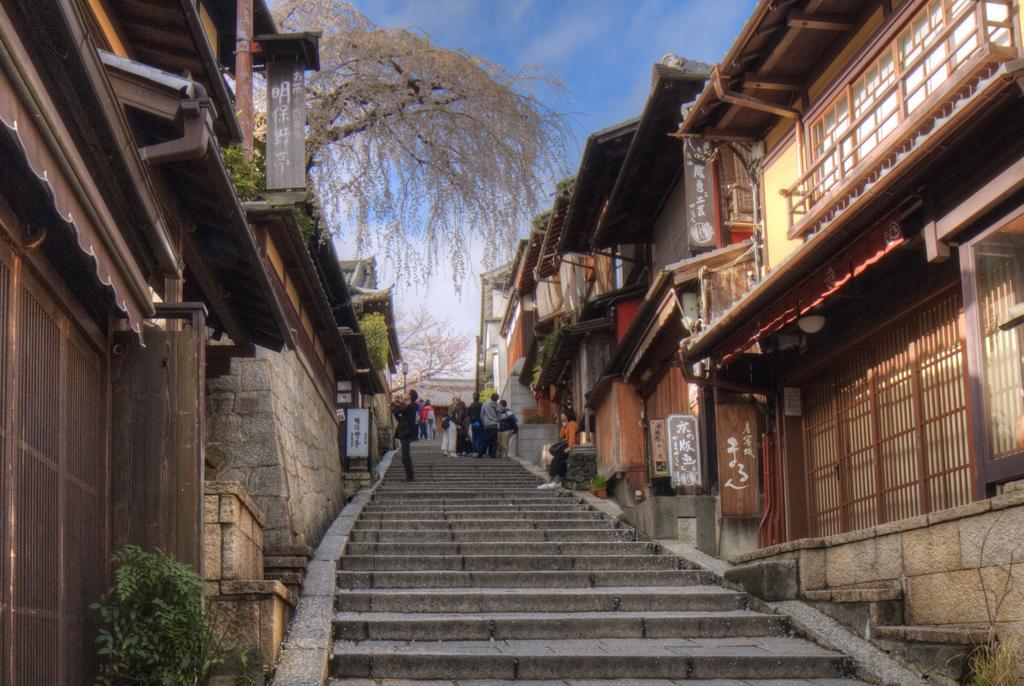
602	682
385	626
414	489
534	497
501	563
562	505
553	548
603	599
543	579
756	657
490	535
950	634
486	524
480	515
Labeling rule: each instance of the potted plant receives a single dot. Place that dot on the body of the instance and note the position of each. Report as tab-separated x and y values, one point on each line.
599	486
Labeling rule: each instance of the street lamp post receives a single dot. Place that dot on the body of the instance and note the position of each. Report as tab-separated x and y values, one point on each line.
405	378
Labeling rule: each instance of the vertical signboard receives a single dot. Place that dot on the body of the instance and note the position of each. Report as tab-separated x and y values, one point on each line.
357	434
659	448
736	427
701	214
286	125
683	450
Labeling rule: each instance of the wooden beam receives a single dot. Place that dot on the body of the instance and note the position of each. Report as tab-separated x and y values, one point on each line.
981	201
750	102
734	135
211	289
821	21
768	82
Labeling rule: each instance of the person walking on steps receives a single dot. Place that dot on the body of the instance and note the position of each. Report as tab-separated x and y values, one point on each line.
476	429
560	451
428	419
508	426
490	419
450	432
407	414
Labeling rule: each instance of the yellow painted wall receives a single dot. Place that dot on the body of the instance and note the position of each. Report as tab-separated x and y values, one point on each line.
210	29
780	174
863	34
110	33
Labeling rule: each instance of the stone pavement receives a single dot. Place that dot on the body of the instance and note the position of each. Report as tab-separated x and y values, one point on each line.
470	575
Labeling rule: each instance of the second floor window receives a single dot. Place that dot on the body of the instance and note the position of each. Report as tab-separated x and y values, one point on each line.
940	38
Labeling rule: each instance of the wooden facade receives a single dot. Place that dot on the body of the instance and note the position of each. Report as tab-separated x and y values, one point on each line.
121	240
887	361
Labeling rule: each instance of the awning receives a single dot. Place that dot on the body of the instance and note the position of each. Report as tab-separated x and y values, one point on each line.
549	259
32	122
745	324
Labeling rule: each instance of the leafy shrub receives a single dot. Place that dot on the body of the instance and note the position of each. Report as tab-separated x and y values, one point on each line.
598	482
158	627
248	175
486	393
375	330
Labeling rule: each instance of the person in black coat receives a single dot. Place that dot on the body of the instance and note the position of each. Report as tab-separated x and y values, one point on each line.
407	414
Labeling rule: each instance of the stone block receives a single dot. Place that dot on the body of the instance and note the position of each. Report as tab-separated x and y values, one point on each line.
932	549
211	509
960	512
230	509
211	551
946	598
240	558
994	538
1011	498
687	527
1004	588
769	580
252	402
812	566
872	559
254	375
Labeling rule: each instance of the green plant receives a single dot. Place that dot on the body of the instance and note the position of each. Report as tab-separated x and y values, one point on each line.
486	393
598	482
995	663
158	628
306	224
248	175
545	349
375	330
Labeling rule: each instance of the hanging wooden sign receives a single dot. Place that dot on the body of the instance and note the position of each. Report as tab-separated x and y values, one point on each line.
701	217
659	448
286	125
683	450
736	427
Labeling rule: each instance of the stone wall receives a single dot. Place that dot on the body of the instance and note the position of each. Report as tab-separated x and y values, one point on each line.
962	566
253	612
529	443
269	428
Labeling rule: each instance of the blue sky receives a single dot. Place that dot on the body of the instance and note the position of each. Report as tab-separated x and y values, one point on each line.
602	50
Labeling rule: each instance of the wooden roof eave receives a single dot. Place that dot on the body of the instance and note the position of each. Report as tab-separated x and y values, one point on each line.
282	225
606	234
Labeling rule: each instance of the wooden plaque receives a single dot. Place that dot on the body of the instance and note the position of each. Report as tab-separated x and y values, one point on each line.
738	442
683	449
659	449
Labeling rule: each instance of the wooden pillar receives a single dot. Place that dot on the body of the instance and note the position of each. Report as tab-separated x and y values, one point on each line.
243	73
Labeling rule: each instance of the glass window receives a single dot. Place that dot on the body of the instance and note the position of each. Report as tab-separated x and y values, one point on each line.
999	277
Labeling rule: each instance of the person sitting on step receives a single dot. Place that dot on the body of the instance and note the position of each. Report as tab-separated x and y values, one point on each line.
560	451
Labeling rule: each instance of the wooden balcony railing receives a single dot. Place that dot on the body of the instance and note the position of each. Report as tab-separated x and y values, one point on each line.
874	123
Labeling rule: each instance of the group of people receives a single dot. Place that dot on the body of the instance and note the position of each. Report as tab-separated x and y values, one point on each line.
478	430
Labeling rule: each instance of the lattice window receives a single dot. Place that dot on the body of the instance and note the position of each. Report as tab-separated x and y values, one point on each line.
885	431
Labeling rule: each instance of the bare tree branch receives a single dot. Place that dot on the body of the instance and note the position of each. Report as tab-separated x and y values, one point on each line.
420	147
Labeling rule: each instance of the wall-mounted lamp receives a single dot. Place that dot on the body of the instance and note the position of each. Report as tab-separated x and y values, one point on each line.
811	323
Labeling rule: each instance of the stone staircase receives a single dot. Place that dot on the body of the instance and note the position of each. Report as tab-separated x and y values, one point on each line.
472	574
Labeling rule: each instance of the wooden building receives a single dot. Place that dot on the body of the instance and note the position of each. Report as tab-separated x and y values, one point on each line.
123	241
881	344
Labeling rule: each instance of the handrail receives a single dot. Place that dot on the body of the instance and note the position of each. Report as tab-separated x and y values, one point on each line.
815	183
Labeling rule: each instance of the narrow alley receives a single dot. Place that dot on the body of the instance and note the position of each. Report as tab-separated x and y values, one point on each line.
470	573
